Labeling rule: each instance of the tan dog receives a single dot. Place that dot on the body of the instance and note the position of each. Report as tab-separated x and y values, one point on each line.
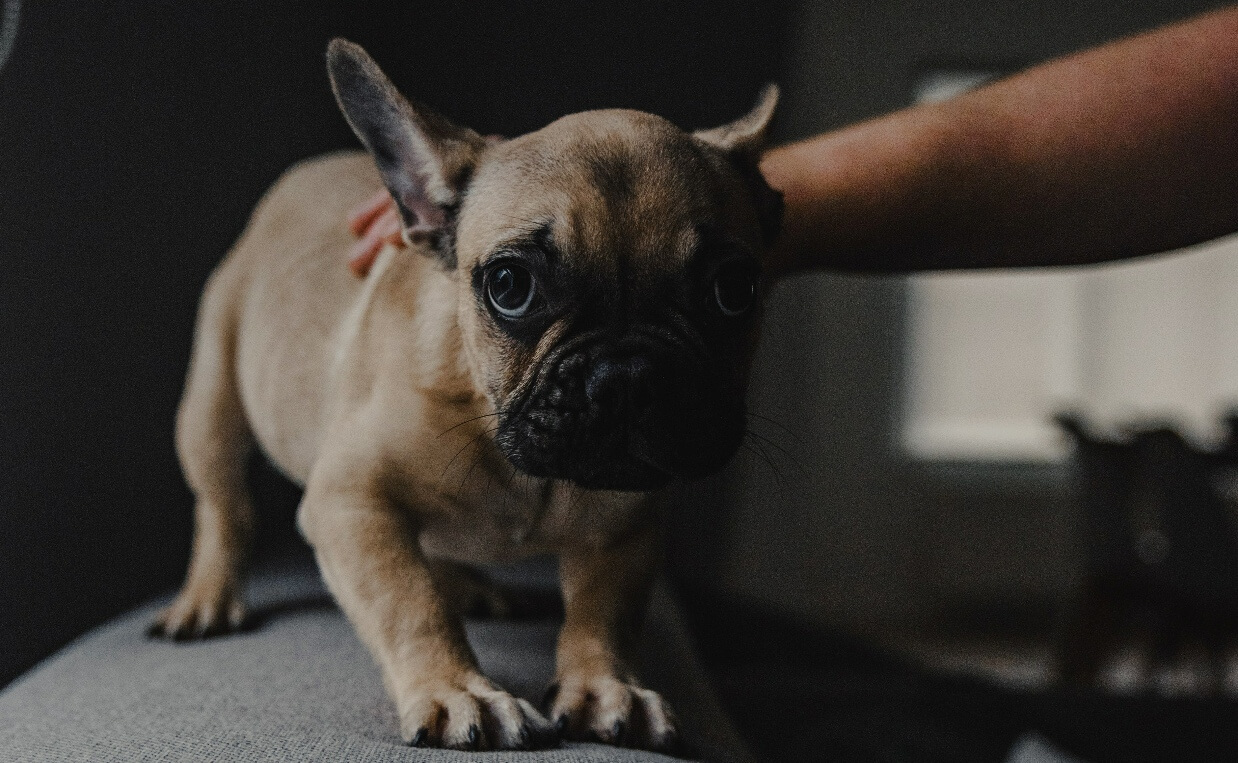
570	331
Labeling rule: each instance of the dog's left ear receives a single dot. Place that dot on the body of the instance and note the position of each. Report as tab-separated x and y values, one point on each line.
745	137
425	160
743	141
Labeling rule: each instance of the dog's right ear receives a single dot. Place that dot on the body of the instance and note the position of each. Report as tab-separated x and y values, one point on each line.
424	159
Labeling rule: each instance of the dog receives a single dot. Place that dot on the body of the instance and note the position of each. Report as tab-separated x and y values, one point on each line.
568	331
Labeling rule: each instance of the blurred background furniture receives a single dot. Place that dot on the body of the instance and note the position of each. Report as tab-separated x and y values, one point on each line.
1161	557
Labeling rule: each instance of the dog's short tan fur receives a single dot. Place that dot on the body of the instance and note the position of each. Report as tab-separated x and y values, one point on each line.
377	396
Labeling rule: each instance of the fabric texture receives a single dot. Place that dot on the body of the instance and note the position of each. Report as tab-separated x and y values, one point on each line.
299	686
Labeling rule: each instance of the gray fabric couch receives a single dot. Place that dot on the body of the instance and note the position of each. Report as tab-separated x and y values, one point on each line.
299	686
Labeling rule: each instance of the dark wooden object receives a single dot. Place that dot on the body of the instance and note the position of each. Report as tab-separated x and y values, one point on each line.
1162	553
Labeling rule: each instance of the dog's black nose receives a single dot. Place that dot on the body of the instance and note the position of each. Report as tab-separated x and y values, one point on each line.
621	386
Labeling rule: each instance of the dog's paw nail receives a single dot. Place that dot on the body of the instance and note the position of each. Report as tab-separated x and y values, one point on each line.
524	737
419	738
154	630
561	724
616	732
474	736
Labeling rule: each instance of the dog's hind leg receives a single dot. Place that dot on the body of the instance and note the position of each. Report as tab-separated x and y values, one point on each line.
213	441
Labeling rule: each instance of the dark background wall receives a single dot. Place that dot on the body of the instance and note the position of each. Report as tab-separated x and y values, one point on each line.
134	139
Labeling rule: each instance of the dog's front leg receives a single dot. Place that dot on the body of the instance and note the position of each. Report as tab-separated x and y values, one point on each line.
370	559
597	695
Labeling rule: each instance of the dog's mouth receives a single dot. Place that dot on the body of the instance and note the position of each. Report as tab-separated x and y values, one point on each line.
627	416
593	466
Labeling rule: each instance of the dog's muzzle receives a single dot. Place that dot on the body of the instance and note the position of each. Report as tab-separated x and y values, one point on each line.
626	416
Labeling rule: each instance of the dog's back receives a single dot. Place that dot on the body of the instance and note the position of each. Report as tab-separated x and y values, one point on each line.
278	300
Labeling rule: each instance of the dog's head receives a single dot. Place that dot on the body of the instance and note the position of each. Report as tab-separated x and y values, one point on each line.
608	269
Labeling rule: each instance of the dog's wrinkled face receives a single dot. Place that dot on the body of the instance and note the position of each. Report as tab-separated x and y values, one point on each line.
608	269
612	265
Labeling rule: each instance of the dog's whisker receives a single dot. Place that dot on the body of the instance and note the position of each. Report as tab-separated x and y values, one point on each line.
767	441
477	453
511	480
752	447
467	421
796	462
778	481
452	460
472	441
799	439
755	447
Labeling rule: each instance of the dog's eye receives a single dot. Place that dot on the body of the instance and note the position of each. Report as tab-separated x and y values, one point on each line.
510	288
735	287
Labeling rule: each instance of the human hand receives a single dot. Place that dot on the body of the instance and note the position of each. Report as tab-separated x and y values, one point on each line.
375	223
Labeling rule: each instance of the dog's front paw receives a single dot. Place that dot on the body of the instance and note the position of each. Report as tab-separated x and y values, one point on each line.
608	709
199	611
471	713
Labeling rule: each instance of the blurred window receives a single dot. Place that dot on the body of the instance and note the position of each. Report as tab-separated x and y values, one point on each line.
993	355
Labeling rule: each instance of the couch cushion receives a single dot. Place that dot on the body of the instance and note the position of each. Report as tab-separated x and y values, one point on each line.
299	687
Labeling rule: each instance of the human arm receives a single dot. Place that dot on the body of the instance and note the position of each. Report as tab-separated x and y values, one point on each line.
1118	151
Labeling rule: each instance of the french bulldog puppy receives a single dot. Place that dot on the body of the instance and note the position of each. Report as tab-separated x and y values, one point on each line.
569	331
